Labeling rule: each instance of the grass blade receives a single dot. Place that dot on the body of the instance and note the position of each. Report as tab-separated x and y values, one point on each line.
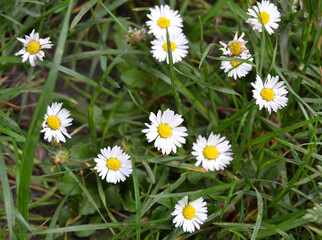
137	199
281	131
7	196
95	96
259	214
34	130
82	12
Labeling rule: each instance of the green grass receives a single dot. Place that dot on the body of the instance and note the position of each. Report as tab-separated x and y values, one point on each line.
267	192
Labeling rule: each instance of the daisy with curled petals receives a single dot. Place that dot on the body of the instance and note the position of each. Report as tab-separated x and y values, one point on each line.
237	69
55	123
190	215
113	164
162	18
33	46
213	153
264	13
178	47
165	131
235	47
271	94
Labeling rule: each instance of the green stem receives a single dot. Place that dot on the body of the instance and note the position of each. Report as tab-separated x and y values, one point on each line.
29	148
137	199
95	96
173	83
205	70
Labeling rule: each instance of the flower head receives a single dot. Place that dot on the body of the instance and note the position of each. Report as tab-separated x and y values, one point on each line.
33	46
139	35
271	94
178	47
237	69
61	155
190	215
55	123
213	153
264	13
162	18
236	47
165	130
113	164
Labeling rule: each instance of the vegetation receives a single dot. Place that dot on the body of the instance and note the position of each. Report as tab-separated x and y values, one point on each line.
272	188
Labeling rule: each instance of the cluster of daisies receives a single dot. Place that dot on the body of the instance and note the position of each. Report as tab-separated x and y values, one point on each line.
237	50
163	20
114	165
264	14
271	94
212	153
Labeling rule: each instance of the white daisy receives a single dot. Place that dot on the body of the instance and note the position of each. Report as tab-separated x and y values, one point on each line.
214	153
55	123
235	47
178	47
237	69
271	94
162	18
190	214
113	164
265	12
165	131
33	46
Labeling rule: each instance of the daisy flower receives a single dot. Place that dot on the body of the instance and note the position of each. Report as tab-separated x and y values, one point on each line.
162	18
113	164
33	46
190	215
178	47
165	131
237	69
212	153
266	13
55	123
235	47
271	94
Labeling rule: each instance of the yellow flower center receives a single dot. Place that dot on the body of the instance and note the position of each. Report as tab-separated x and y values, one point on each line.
189	212
267	94
53	122
33	47
235	48
210	152
173	46
113	163
163	22
235	63
164	130
265	17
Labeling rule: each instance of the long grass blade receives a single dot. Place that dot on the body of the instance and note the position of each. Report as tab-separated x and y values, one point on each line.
34	129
